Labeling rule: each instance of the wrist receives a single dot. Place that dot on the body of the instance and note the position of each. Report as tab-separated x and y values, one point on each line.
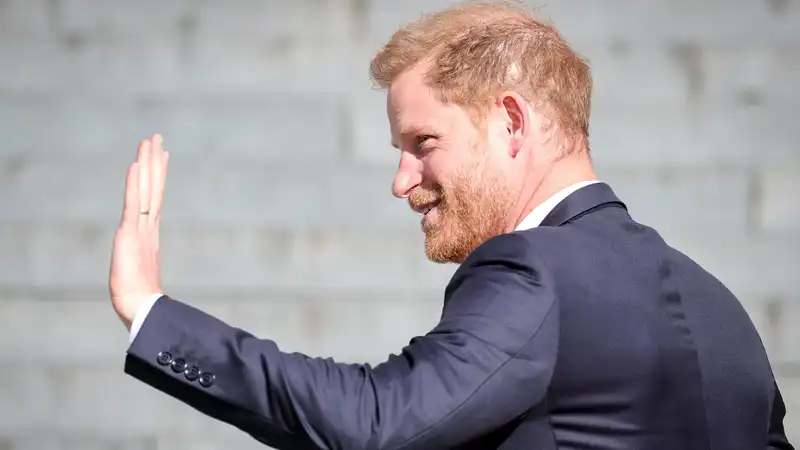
130	314
140	315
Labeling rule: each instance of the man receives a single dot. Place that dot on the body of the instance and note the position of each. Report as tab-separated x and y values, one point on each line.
568	325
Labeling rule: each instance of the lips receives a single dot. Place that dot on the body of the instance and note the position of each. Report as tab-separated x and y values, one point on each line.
426	208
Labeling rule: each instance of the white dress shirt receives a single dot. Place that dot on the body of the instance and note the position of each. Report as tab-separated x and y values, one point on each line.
532	220
535	217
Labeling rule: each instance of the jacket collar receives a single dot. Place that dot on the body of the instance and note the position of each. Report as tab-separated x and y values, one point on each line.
580	202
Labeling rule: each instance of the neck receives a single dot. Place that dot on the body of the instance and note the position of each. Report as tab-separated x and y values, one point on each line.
559	175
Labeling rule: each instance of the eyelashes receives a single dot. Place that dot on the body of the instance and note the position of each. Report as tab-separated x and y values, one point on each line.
424	138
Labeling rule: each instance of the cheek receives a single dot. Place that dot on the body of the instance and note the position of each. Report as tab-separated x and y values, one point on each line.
498	147
453	158
438	167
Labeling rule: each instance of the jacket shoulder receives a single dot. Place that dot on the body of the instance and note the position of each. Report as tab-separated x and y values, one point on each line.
514	248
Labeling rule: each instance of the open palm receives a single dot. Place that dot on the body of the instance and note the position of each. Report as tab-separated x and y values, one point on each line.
134	275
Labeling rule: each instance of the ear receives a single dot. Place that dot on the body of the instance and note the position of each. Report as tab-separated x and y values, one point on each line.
517	118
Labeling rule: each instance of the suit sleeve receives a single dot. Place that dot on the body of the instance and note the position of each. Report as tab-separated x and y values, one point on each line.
776	438
487	362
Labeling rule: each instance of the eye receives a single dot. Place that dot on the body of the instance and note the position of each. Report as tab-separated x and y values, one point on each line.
422	139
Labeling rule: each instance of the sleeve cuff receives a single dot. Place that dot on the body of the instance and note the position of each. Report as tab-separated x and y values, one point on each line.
141	315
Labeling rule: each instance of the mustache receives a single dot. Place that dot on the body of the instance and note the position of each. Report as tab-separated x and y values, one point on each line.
421	196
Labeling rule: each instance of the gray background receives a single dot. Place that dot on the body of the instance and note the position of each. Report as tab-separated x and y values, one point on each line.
279	216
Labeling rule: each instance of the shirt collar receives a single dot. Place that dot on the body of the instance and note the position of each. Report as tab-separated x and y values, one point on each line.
535	217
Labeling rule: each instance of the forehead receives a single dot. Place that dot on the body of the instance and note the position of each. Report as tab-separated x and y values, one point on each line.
414	108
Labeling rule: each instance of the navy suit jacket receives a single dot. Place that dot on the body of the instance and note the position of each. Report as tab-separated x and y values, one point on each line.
588	332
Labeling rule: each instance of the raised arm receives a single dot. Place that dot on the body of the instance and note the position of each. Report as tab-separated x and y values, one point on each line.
496	340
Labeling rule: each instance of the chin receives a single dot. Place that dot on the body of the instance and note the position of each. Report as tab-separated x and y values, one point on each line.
434	255
442	247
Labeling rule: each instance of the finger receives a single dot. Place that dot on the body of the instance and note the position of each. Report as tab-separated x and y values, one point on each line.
157	241
144	159
158	177
130	210
140	151
158	199
156	148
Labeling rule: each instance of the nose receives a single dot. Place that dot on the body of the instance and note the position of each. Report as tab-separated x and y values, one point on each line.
408	176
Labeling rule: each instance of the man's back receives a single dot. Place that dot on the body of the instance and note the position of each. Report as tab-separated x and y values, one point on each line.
654	352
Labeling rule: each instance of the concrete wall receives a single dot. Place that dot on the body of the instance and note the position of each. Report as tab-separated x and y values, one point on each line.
695	126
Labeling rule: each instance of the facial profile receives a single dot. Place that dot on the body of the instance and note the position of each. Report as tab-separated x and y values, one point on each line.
447	172
471	91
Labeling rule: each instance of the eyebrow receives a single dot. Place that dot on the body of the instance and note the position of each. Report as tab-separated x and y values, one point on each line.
414	129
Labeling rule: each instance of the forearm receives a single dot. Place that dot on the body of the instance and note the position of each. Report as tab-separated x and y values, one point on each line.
433	395
248	382
498	336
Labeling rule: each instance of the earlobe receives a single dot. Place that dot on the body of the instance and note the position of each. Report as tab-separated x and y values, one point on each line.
515	147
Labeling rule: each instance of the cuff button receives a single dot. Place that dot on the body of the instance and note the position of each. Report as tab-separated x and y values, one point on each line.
164	358
179	365
207	379
192	373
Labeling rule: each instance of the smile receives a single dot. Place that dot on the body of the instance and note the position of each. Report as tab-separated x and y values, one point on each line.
426	208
